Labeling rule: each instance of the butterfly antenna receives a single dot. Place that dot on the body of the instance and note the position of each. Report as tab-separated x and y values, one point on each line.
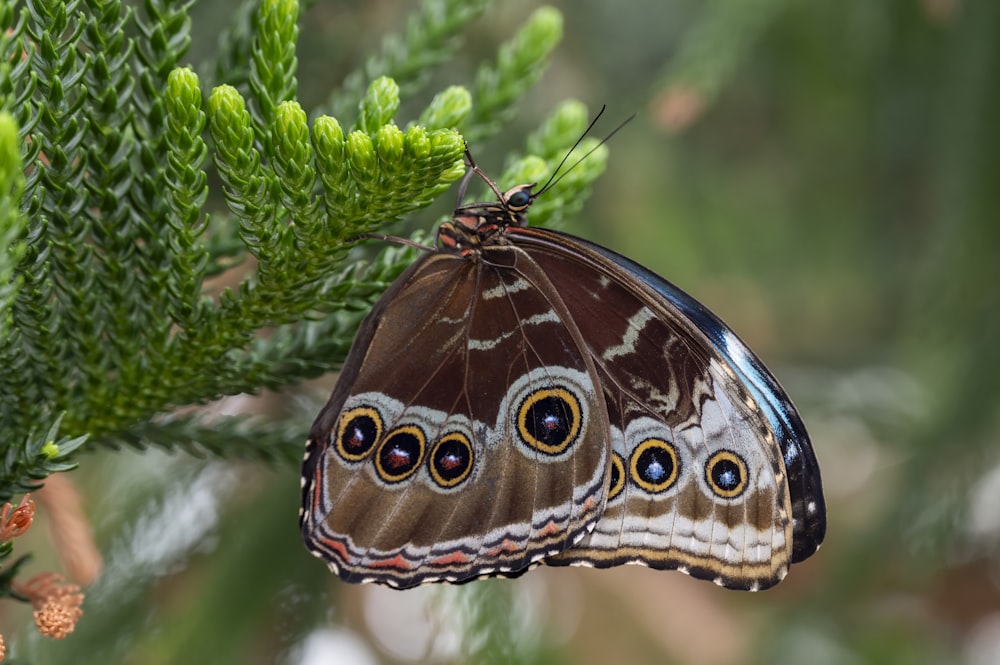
553	180
570	151
475	170
471	171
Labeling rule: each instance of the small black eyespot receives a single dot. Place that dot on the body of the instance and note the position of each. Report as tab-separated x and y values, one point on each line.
726	473
451	460
357	433
654	465
400	453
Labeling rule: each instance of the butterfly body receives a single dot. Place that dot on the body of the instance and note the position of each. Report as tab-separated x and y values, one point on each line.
521	396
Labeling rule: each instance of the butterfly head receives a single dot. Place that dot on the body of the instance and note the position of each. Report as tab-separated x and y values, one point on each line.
474	224
477	224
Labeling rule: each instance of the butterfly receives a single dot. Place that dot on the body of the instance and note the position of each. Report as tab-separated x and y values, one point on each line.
522	396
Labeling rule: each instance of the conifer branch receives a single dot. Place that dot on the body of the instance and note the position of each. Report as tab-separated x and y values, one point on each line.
273	62
520	63
108	322
12	222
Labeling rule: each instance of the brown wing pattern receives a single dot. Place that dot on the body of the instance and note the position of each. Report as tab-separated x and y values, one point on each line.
466	434
698	482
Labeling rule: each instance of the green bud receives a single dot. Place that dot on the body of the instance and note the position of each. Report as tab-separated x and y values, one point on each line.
50	450
328	141
542	32
529	169
560	131
231	127
447	150
183	91
328	138
361	154
390	144
448	108
417	145
226	106
379	105
447	144
290	125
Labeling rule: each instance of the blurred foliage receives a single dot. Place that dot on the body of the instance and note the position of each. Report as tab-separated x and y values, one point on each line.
822	175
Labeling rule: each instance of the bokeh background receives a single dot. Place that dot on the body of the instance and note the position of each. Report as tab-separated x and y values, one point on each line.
824	176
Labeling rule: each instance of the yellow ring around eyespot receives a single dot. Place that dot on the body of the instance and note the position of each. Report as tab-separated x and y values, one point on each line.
390	477
345	419
569	399
725	455
663	485
437	477
617	465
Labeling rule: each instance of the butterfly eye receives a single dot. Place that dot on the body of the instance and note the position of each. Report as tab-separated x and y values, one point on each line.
519	199
654	466
357	433
726	474
400	453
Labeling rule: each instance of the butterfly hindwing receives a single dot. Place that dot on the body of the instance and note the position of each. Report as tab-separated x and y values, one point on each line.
465	436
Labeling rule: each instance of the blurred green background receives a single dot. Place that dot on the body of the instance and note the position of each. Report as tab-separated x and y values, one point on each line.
822	175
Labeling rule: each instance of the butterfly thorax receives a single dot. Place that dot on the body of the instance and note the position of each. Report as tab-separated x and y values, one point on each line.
475	225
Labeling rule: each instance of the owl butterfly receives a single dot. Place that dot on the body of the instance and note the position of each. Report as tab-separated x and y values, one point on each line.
521	396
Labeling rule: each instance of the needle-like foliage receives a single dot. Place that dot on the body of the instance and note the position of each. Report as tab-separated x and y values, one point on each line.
112	237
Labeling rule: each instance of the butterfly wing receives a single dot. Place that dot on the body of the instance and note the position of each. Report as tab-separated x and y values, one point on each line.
465	436
712	471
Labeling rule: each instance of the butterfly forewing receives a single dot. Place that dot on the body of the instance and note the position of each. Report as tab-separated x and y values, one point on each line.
466	435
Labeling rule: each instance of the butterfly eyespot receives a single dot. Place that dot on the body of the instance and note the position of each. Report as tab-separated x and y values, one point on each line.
654	465
726	474
358	430
400	454
549	420
451	459
519	199
617	482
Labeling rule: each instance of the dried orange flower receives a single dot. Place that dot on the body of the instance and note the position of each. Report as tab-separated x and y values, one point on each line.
56	620
57	605
14	524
